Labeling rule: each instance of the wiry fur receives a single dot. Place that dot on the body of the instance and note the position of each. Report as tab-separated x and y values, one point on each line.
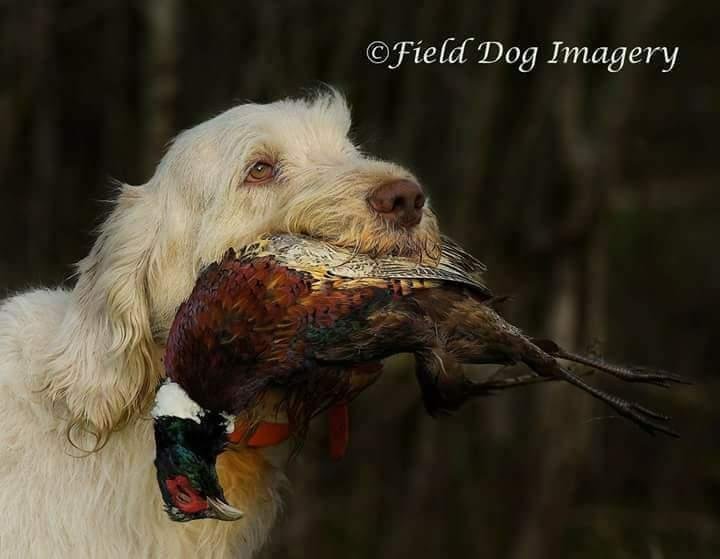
86	361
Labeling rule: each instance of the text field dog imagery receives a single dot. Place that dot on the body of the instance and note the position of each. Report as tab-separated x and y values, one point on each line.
469	50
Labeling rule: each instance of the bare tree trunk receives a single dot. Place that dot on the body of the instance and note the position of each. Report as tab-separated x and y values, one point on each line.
116	111
160	78
562	436
44	140
403	538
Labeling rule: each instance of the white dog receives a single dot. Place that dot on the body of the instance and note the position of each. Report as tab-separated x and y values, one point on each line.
79	368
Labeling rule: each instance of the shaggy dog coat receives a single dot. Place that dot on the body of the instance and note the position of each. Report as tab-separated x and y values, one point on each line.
79	367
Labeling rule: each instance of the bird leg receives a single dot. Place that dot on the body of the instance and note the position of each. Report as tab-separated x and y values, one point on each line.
445	388
441	392
628	374
646	419
541	359
495	382
540	356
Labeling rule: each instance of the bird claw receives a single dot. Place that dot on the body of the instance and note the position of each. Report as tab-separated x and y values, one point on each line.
657	378
495	383
649	412
648	420
644	375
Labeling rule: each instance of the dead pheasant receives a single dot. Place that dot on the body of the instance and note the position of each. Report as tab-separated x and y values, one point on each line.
298	317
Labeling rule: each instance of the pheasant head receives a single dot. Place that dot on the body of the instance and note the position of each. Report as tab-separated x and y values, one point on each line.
188	440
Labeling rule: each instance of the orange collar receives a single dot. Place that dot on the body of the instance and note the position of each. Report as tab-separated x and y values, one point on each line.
268	433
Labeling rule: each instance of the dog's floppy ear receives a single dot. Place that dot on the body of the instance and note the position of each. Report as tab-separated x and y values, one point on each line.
103	365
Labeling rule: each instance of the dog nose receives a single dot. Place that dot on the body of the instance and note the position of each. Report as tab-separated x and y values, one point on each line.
400	201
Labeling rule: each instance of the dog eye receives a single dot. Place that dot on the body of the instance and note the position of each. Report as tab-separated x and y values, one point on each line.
260	172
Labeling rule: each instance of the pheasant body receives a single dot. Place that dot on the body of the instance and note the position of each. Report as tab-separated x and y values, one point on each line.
311	321
289	312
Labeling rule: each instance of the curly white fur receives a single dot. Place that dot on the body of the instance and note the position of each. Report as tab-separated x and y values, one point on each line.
83	364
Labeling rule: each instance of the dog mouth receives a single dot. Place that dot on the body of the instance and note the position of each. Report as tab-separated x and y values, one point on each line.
380	238
355	226
401	245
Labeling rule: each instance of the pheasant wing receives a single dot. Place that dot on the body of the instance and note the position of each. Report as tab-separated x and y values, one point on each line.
455	265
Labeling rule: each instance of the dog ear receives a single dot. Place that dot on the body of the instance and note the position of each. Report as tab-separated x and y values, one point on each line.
104	365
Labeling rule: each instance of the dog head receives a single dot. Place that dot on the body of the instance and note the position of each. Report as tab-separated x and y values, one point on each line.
290	167
287	166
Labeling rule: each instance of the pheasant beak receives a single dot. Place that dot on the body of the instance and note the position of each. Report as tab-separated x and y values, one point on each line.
222	510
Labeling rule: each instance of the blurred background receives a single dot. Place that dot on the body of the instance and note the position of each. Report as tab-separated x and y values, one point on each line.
593	197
